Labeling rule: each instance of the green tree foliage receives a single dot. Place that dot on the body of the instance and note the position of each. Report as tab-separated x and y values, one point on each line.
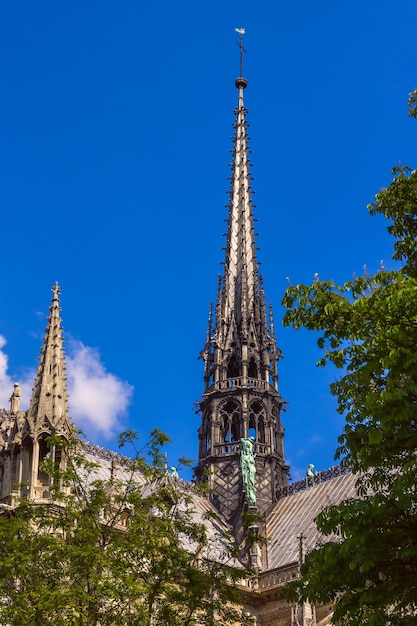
412	104
368	329
129	550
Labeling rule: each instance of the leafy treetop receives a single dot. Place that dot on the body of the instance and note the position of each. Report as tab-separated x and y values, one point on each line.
368	330
124	550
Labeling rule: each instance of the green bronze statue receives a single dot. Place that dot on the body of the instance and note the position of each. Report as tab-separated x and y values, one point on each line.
310	473
173	472
247	465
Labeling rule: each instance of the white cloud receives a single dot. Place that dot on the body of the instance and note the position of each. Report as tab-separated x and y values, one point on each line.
98	399
6	381
315	438
6	384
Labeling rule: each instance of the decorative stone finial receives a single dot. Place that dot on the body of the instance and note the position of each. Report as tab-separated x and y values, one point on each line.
56	291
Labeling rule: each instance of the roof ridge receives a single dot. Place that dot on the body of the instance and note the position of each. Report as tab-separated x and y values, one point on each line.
306	483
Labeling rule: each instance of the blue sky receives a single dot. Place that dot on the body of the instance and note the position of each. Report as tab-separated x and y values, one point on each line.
115	139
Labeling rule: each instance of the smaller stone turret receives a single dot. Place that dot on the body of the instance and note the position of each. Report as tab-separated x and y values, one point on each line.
24	434
48	409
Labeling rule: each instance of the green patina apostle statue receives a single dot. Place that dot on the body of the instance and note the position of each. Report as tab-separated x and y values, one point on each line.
247	465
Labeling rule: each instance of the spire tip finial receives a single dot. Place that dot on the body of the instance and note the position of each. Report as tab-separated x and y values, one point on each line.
56	291
241	82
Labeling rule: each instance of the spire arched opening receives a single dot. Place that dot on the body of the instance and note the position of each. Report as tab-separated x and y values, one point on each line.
261	429
42	486
230	415
252	368
233	367
205	433
27	453
15	478
206	439
257	421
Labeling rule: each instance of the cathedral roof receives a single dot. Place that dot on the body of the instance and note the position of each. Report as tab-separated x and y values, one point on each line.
294	515
110	465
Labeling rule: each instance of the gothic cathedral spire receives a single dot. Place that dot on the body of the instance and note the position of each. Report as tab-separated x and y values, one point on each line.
48	409
27	433
241	398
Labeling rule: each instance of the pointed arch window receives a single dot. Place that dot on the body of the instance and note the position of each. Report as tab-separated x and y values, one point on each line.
14	466
261	429
253	368
42	483
230	416
205	433
27	460
252	429
207	441
257	421
233	367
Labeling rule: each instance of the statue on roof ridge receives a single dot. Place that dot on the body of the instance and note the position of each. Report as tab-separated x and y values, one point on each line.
15	399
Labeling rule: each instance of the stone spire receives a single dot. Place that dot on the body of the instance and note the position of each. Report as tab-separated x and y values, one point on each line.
241	269
48	409
28	432
241	398
242	326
